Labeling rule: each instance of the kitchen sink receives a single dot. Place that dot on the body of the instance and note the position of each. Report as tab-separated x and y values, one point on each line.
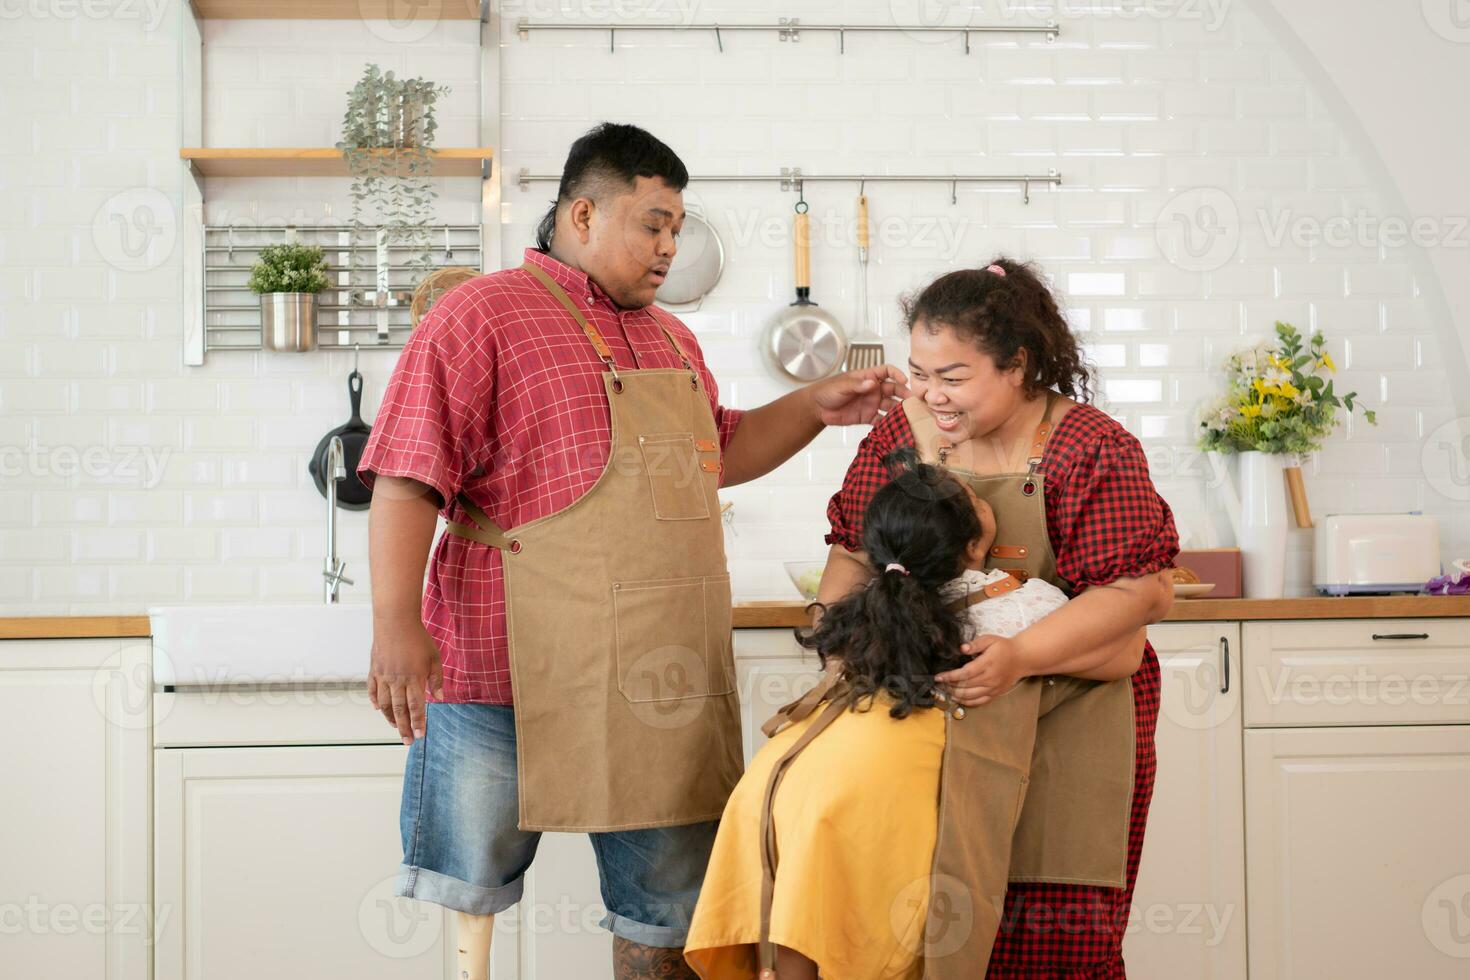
276	644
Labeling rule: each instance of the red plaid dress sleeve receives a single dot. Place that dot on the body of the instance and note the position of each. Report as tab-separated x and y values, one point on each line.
432	424
865	476
1109	522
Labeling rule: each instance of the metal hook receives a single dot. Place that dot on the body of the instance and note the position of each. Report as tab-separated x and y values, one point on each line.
967	42
862	183
719	40
954	191
612	40
841	41
1026	192
356	356
801	205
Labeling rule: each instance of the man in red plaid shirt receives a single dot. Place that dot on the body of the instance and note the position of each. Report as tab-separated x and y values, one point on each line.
498	399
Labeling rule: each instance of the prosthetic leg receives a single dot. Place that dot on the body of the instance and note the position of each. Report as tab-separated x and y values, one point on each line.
474	932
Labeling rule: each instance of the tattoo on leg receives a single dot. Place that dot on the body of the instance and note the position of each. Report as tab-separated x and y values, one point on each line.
632	961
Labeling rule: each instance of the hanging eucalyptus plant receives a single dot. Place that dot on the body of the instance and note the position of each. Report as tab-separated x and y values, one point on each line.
387	138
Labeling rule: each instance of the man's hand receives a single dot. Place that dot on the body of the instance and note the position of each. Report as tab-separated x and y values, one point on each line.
997	667
405	667
859	397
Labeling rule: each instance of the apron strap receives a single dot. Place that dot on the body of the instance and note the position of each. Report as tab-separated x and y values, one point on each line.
801	707
603	351
767	951
1012	581
485	531
1042	431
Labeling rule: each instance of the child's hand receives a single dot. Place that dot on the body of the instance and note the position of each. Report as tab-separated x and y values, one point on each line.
996	669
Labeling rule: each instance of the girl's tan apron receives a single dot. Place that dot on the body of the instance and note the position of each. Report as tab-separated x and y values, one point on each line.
618	619
1035	785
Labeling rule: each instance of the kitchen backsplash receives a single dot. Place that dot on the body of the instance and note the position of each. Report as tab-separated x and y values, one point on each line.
129	479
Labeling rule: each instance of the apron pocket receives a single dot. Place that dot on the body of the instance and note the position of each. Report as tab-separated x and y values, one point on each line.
671	461
672	640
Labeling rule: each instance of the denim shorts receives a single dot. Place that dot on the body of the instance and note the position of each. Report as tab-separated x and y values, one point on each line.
463	849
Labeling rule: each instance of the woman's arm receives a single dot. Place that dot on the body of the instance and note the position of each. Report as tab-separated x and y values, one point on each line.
1096	635
1102	623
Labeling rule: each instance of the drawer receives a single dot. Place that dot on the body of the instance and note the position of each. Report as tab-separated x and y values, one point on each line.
1356	672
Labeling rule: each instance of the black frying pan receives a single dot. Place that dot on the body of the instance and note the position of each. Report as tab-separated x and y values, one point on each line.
352	493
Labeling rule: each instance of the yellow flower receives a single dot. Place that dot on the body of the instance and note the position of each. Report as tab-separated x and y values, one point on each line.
1327	361
1287	390
1250	411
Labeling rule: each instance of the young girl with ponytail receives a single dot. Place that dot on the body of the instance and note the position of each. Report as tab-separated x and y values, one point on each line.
855	817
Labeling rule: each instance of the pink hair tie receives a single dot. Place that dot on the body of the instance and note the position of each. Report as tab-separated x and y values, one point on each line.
894	566
995	269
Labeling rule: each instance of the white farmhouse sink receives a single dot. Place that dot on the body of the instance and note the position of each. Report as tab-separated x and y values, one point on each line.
282	644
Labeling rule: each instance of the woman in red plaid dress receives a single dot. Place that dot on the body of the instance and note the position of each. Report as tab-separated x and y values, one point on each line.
986	347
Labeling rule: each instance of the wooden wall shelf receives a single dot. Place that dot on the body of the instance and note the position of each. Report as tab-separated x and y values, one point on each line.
327	9
318	161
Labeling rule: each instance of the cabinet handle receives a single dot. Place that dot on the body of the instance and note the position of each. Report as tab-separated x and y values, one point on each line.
1225	664
1400	636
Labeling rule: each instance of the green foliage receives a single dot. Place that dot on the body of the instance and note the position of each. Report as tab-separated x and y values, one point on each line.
387	135
1276	401
289	269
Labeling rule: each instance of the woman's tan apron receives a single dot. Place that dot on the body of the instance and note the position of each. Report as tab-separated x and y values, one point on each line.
1035	785
618	619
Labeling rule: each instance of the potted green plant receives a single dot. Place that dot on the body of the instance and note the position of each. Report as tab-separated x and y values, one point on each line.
387	139
1278	406
287	278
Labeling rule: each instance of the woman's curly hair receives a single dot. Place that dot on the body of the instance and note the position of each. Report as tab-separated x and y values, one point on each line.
896	633
1004	315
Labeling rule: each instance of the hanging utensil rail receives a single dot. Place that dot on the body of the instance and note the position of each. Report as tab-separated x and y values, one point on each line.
792	179
791	28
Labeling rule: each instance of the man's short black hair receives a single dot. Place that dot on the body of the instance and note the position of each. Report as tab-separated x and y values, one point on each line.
607	159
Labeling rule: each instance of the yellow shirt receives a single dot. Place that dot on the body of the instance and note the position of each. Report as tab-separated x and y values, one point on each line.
855	819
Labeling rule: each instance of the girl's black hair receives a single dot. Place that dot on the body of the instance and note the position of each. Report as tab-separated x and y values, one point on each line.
896	633
609	157
1002	315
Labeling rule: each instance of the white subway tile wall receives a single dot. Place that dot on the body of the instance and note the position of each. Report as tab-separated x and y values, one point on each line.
128	479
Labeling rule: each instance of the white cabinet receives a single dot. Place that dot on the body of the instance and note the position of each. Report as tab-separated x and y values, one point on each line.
1359	864
280	862
74	824
1188	916
1357	760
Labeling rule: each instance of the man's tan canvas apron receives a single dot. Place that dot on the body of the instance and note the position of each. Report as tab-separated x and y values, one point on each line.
619	620
1035	785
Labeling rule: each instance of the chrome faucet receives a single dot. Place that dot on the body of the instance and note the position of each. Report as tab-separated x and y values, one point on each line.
332	567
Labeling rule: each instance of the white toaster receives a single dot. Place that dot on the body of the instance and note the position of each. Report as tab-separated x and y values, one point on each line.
1360	553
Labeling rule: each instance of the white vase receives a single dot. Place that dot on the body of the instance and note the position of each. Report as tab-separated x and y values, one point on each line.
1263	524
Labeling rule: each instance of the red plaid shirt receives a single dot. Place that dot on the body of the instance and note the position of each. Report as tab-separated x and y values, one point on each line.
498	393
1105	522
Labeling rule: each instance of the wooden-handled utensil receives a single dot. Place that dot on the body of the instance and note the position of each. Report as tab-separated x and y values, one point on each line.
804	341
867	347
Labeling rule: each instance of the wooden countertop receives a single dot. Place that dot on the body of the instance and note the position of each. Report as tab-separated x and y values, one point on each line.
72	627
779	613
776	614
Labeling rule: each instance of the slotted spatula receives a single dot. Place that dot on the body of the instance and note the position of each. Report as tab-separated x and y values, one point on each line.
866	349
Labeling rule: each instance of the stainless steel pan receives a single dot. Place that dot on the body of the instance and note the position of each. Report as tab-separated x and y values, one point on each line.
804	341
